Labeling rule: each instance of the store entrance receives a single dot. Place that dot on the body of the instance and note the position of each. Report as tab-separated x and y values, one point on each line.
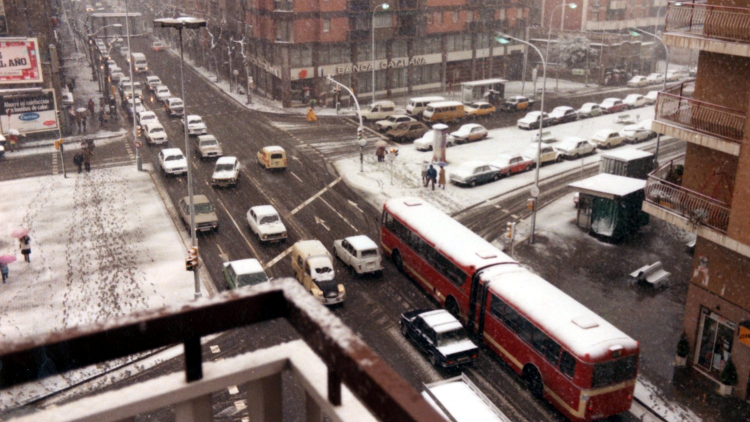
715	342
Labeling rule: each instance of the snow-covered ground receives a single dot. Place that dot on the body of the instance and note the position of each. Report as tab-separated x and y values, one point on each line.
375	183
103	245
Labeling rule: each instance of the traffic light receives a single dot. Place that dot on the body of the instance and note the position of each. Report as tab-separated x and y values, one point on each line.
139	131
58	144
531	203
191	262
394	151
510	229
360	134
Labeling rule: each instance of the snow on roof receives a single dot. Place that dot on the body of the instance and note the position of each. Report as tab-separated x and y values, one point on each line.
441	320
608	185
484	82
627	154
226	160
361	242
556	313
273	148
446	104
450	237
463	400
261	210
171	151
247	266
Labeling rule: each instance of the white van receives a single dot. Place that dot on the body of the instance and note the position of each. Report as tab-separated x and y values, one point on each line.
418	104
313	267
139	62
379	110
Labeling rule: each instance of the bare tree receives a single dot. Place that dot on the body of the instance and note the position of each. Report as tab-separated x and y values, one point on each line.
246	64
214	43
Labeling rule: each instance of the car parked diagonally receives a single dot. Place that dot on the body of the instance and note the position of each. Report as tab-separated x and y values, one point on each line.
440	336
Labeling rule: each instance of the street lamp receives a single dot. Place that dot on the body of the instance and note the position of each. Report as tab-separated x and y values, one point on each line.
361	141
180	24
636	32
505	39
384	6
549	37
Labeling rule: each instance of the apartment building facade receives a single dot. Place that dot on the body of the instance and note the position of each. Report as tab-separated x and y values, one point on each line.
293	45
707	191
604	15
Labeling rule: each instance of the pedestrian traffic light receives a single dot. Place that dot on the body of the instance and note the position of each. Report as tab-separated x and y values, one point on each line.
394	151
58	144
191	262
139	131
510	229
531	204
360	134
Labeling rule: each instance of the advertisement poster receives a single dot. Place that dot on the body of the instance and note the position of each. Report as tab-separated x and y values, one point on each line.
20	61
29	113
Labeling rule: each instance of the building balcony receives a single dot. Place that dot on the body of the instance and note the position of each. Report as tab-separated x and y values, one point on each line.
719	29
408	4
359	6
699	122
668	200
359	34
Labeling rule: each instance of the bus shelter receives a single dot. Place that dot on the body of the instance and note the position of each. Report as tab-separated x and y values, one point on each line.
609	206
480	90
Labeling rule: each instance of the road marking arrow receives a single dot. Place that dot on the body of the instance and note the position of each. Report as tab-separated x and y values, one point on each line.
354	204
222	254
320	221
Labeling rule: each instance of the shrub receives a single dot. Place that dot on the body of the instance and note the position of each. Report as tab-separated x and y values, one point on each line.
729	373
683	347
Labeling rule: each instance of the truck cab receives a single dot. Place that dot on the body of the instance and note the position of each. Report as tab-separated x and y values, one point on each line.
313	267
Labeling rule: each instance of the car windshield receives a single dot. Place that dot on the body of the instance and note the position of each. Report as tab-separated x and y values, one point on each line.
322	270
174	158
224	167
269	219
157	129
209	143
203	208
195	121
447	337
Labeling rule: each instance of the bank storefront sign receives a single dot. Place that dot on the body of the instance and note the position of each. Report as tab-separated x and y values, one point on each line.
29	113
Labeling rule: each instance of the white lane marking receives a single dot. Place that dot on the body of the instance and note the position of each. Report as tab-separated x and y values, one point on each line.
233	389
340	216
295	176
215	349
354	204
514	216
281	256
222	254
295	158
239	230
312	198
320	222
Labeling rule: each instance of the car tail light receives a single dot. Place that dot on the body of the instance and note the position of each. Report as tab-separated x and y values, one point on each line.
450	362
475	355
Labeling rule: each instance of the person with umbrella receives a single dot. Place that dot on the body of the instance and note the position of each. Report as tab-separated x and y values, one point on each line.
24	242
4	261
380	151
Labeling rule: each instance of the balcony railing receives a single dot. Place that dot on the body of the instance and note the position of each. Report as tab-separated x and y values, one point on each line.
720	22
700	116
663	189
360	5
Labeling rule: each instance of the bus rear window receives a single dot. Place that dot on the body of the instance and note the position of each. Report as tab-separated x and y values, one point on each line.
613	372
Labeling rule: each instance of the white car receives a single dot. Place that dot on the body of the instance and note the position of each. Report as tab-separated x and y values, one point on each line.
655	78
265	222
146	116
175	106
547	136
207	146
154	133
638	81
226	172
393	121
574	147
162	93
638	132
195	125
152	82
548	154
138	106
589	110
634	100
651	97
122	81
172	161
607	138
125	51
67	98
129	88
468	133
675	75
426	141
531	120
359	253
116	75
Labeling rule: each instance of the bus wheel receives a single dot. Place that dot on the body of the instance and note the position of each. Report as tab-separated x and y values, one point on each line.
398	261
452	307
533	381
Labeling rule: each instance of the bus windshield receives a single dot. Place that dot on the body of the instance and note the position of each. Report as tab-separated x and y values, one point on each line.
613	372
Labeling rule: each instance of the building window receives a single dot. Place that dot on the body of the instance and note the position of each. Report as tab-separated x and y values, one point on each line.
439	18
429	18
284	31
501	14
383	20
715	342
469	16
326	25
455	17
362	22
400	48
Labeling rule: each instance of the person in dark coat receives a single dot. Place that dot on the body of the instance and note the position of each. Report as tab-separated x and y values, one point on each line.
83	119
5	271
87	154
78	161
24	244
380	152
91	106
431	176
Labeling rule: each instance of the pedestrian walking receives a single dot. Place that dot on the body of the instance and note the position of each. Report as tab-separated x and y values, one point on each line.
311	117
78	161
425	166
13	139
380	152
441	178
5	271
91	107
101	117
87	154
78	121
83	119
431	176
24	243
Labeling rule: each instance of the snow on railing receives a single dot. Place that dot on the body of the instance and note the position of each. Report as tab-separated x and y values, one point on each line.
663	190
720	22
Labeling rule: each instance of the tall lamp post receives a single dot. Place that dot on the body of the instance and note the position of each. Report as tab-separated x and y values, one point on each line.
384	6
361	141
505	39
180	24
549	39
636	32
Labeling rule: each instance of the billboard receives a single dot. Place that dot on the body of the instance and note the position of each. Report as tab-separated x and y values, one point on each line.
29	112
19	61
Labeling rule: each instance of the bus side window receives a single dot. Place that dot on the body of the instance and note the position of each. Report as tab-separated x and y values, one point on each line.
387	220
539	340
400	230
524	329
413	241
509	317
553	352
567	364
496	307
429	254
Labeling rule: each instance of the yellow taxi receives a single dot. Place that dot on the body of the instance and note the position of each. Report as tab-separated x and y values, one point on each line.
479	109
273	157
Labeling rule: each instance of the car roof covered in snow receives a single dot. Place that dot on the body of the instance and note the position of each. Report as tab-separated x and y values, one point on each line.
171	151
608	185
627	154
361	242
262	210
273	148
247	266
440	320
226	160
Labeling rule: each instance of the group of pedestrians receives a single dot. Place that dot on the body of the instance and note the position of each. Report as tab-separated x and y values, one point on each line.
82	158
430	175
24	244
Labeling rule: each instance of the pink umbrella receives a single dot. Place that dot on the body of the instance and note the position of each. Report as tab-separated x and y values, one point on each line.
19	232
7	259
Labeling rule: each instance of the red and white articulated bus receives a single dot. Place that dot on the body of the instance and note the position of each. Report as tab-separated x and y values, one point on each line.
565	353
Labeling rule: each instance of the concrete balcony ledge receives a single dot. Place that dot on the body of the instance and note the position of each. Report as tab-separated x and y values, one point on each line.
689	135
719	29
706	44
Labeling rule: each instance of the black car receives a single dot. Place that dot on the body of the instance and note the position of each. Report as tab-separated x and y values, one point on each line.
440	336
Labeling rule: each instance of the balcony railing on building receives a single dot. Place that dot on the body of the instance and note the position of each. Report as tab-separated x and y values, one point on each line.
703	20
360	5
664	189
672	107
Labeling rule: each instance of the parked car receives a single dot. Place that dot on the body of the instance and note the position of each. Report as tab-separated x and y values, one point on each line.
393	121
243	273
272	157
152	82
563	114
440	336
207	146
651	97
157	46
359	253
533	119
121	83
607	138
378	110
226	172
675	75
517	103
473	173
547	137
407	131
116	75
265	223
574	147
638	132
67	98
154	133
655	78
510	164
468	133
124	52
589	110
634	100
548	154
479	109
204	215
146	116
638	81
162	93
172	161
174	106
612	105
426	141
195	125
